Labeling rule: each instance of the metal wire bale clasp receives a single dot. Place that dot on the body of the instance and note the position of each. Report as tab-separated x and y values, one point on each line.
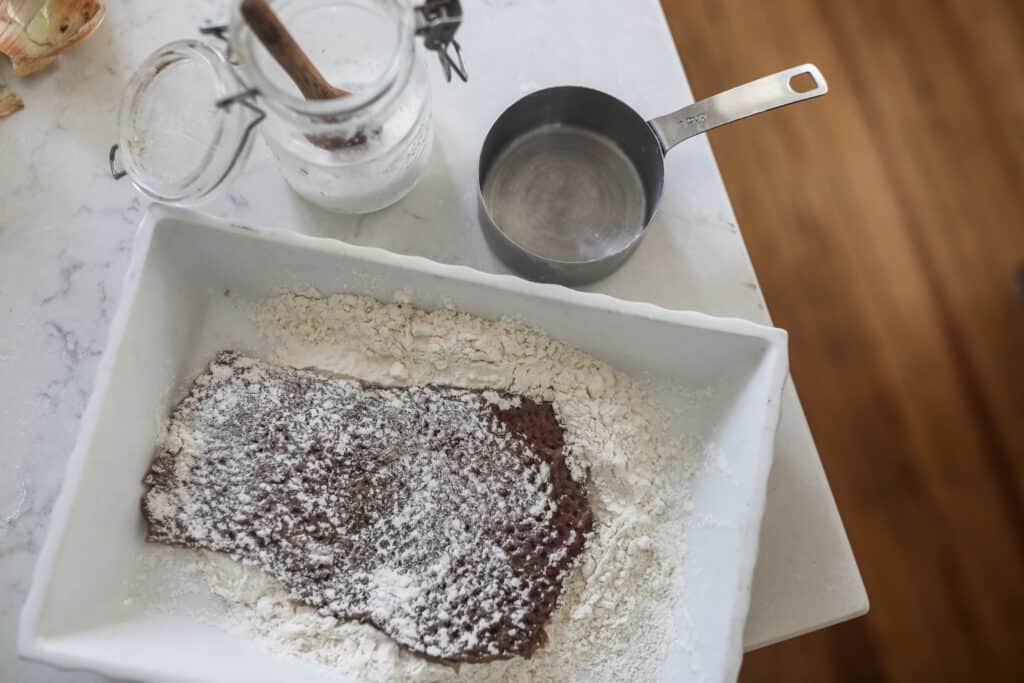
115	172
243	98
437	21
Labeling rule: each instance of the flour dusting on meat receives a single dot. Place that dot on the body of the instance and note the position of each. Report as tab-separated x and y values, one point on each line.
445	517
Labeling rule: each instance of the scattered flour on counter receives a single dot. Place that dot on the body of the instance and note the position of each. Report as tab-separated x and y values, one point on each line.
614	622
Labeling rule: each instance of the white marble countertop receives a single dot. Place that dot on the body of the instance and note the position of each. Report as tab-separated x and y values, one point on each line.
66	230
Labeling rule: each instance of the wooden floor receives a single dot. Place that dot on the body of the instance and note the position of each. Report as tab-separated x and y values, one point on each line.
886	223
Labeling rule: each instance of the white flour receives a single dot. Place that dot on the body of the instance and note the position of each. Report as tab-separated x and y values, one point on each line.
615	621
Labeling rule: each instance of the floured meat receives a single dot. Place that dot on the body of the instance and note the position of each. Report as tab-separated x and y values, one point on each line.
444	517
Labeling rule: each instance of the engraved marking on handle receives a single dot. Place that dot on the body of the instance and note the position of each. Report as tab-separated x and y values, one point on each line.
696	119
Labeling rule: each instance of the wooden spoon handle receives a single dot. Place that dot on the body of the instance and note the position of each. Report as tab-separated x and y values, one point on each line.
292	58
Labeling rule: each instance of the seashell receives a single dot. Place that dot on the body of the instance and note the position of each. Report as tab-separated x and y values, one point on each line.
34	32
9	100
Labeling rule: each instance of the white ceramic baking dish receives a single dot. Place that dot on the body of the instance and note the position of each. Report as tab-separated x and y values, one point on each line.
172	317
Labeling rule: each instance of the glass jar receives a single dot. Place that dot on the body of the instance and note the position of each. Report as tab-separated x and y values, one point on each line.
188	115
353	154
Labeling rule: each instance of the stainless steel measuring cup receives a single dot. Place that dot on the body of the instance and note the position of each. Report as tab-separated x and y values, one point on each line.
570	177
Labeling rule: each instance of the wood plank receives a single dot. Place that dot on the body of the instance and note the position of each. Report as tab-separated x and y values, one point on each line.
884	222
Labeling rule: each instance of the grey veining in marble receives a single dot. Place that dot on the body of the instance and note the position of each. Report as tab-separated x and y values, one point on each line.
66	232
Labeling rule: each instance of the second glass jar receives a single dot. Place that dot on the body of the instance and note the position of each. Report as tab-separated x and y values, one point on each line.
353	154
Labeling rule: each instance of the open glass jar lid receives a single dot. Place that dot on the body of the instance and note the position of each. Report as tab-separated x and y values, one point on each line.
188	115
175	143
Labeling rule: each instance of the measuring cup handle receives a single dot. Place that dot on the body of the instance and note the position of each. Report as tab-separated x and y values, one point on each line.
738	103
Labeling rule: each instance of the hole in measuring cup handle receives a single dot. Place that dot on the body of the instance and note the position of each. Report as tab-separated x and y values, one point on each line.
803	82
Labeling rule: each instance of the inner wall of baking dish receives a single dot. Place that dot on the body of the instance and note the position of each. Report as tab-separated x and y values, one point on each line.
192	301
